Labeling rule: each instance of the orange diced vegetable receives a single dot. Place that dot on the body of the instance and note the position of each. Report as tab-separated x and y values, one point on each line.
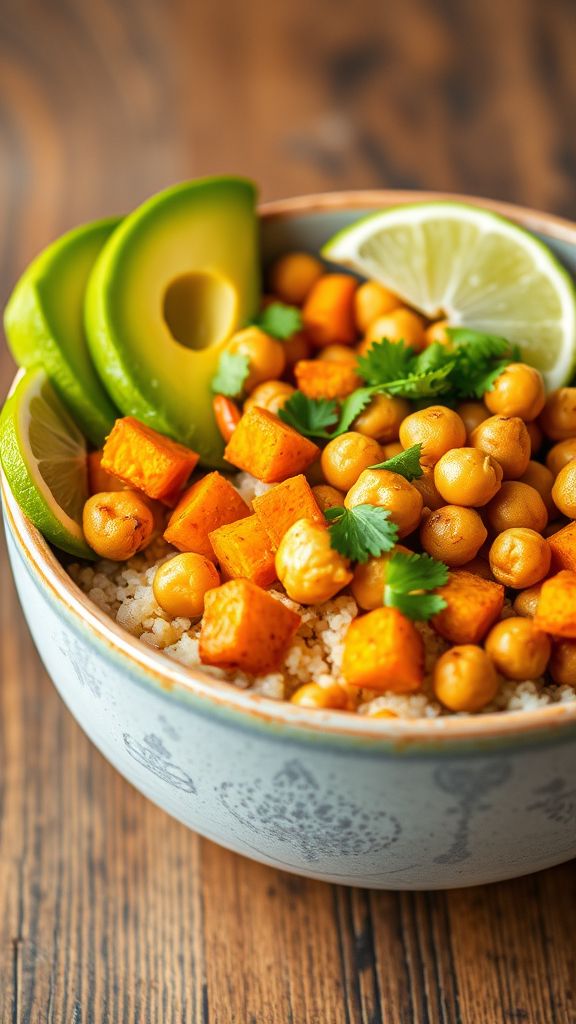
243	550
563	547
210	503
472	605
98	479
244	627
268	448
283	505
328	312
323	379
147	460
227	415
556	610
383	650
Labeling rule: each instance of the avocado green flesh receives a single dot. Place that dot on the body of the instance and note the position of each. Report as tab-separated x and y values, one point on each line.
169	288
44	325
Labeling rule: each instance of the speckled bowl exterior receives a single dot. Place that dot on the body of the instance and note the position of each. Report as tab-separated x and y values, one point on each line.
384	803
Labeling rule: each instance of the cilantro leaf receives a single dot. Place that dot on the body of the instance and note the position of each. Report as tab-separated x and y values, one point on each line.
483	380
279	320
408	574
362	531
406	463
351	408
478	344
231	375
424	385
386	360
309	416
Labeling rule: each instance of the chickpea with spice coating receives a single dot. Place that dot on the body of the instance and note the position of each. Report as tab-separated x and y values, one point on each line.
271	395
436	334
467	476
516	504
338	354
465	679
381	419
562	665
399	325
526	602
564	491
345	457
453	534
536	437
328	497
539	477
561	454
118	524
558	419
181	583
506	439
437	429
430	494
519	558
315	696
388	490
518	648
308	567
371	301
472	415
518	391
293	275
370	579
266	358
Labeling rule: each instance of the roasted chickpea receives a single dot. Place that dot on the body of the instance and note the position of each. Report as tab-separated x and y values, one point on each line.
399	325
345	457
265	355
328	497
564	491
338	354
467	476
516	504
382	418
465	678
558	420
314	695
370	579
436	334
437	429
430	494
371	301
536	437
181	584
472	415
480	567
561	454
271	395
453	534
308	567
506	439
518	649
118	524
391	491
526	602
541	479
392	449
293	275
296	348
520	558
314	474
562	666
518	391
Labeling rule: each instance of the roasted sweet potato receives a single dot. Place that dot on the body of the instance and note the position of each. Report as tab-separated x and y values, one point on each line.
328	312
383	650
319	378
210	503
268	448
283	505
563	548
243	549
245	627
99	479
556	610
472	605
147	460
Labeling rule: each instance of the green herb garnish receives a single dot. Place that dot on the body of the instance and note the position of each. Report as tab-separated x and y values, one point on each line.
406	463
279	320
231	375
408	574
361	532
310	416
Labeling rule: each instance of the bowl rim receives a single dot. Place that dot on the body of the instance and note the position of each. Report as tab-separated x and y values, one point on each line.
178	681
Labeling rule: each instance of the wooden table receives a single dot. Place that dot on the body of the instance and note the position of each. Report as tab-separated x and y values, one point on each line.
110	911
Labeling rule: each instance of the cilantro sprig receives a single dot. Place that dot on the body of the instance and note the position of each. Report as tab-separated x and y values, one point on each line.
279	320
231	375
323	418
361	532
406	463
409	578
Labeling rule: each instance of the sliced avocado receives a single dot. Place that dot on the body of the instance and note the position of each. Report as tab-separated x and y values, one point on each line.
45	327
174	281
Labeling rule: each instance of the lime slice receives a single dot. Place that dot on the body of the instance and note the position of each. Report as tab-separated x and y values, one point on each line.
474	268
44	458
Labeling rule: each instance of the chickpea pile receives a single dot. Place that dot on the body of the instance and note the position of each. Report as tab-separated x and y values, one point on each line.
499	476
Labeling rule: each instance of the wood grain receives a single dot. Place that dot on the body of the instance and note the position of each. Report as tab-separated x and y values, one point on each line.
110	911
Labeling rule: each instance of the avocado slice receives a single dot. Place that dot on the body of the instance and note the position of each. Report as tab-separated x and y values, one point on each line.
174	281
44	324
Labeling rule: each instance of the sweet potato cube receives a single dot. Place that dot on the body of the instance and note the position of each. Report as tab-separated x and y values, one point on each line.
99	479
563	548
324	379
245	627
284	505
268	448
556	610
244	550
210	503
472	605
147	460
383	650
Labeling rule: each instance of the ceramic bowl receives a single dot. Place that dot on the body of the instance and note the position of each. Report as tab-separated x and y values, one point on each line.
383	803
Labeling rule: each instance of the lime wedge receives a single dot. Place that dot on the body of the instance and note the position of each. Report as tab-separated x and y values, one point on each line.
474	268
44	458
